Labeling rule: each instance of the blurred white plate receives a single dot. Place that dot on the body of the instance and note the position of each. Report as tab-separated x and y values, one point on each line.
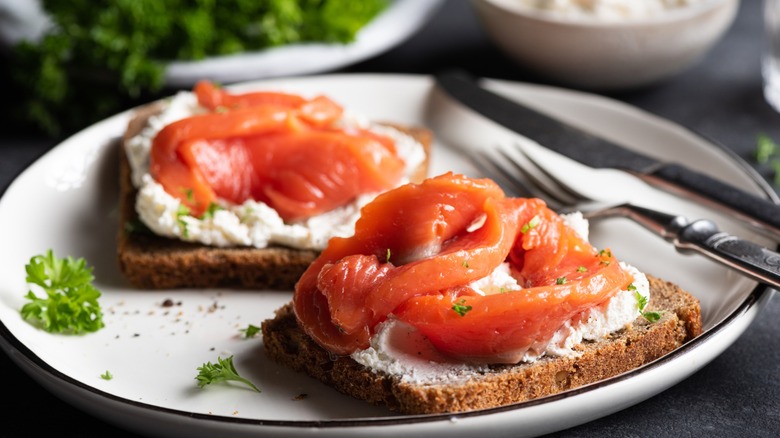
392	27
67	201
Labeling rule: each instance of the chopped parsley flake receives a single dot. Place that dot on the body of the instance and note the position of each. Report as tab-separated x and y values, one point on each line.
561	280
387	256
533	223
107	375
582	269
180	213
641	302
251	331
461	308
188	193
212	208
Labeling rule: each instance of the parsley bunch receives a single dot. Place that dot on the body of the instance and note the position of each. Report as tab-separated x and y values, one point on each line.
100	56
71	302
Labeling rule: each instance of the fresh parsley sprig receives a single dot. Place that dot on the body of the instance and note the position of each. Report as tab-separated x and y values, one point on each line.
641	302
71	302
250	331
222	371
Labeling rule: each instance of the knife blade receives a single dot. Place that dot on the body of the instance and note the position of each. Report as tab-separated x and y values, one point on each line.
597	152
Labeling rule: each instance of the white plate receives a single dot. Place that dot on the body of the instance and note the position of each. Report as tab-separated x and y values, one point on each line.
67	201
397	23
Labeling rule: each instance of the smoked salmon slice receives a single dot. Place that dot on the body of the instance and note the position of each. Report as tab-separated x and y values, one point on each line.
277	148
213	98
417	248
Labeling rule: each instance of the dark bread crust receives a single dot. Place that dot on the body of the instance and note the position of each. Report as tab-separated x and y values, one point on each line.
154	262
286	343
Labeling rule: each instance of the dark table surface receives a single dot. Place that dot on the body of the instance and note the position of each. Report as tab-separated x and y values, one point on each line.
737	394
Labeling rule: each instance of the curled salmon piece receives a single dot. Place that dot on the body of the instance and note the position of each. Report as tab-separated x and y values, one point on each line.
501	328
216	98
417	248
417	235
299	174
272	147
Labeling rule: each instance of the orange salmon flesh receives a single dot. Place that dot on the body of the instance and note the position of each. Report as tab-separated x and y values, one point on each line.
277	148
417	248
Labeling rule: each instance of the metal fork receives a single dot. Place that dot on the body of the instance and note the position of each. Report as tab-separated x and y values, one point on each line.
526	177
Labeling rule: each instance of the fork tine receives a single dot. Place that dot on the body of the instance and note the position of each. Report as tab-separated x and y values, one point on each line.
551	182
492	167
520	179
539	188
540	183
512	180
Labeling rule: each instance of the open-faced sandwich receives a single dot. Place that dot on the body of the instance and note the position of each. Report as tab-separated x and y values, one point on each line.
245	189
451	296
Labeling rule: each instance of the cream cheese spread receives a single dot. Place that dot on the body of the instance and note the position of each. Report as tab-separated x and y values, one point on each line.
398	349
607	9
252	223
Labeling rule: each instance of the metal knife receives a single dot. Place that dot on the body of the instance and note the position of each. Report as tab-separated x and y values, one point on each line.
597	152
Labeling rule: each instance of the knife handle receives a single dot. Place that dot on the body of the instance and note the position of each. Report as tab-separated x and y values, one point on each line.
749	258
759	212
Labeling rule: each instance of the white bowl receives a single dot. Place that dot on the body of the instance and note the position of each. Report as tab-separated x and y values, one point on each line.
599	54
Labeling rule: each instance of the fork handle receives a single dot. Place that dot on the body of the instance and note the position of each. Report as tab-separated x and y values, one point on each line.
703	236
749	258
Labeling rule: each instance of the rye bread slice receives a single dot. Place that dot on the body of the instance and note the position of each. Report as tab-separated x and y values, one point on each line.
153	262
285	342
